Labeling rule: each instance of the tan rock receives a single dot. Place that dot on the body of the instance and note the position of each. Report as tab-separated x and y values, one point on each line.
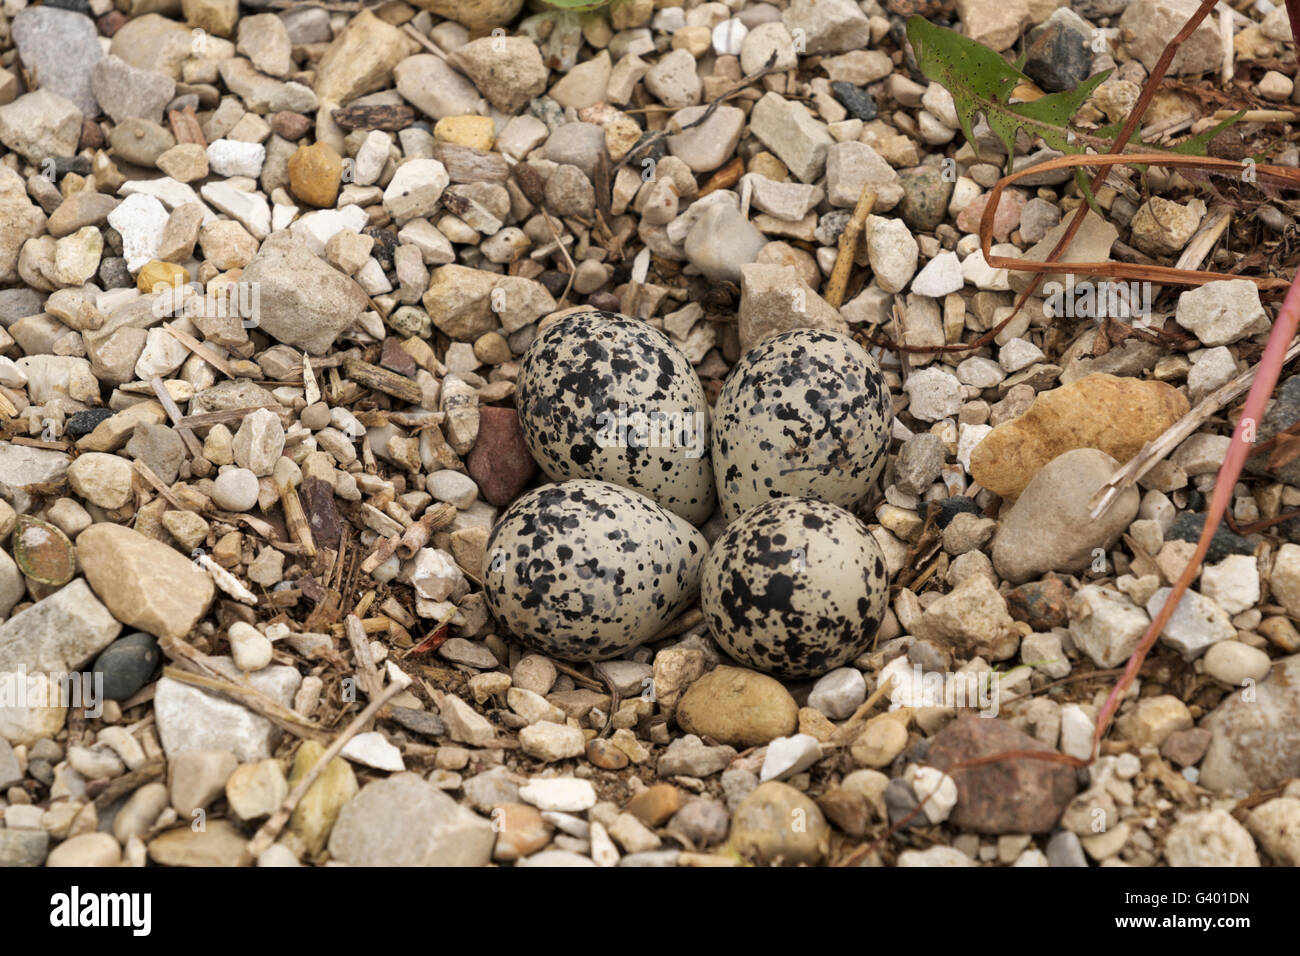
739	707
315	172
361	59
143	582
1114	415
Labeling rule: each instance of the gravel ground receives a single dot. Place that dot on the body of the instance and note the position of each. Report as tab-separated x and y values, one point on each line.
449	442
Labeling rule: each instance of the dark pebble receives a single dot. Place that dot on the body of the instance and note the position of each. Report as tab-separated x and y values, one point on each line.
127	664
900	800
1042	605
1187	527
71	164
860	104
41	771
76	6
385	245
605	301
1058	56
113	273
84	422
555	281
418	721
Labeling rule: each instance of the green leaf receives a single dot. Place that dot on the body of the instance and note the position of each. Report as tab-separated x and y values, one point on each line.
1196	145
980	81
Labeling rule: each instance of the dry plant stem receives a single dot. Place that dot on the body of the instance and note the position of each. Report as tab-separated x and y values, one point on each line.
1125	270
269	830
1269	370
839	280
1126	132
367	675
1155	451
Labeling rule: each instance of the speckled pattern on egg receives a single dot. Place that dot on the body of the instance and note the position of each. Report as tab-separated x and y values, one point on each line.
804	413
587	570
794	587
590	371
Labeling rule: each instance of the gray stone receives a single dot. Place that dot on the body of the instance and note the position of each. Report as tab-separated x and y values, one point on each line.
57	634
1256	734
23	847
405	821
304	302
193	719
60	48
125	91
1050	527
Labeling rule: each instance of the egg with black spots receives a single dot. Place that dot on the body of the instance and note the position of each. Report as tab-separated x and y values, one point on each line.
588	570
608	397
805	413
794	587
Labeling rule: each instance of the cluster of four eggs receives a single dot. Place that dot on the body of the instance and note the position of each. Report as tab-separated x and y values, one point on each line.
598	563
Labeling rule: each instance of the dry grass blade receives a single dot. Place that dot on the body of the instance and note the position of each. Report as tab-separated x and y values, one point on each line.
1128	270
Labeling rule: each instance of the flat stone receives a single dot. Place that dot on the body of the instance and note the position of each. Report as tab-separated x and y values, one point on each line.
192	719
1050	527
145	583
58	634
1013	796
60	48
1114	415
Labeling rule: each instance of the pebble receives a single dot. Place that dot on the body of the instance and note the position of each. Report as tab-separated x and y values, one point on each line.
1236	664
1210	838
1050	527
235	489
1222	312
1230	764
763	827
739	707
1015	796
839	693
1195	625
563	794
126	665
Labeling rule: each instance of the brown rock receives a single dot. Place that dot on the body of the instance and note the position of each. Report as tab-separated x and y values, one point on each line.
1018	795
143	582
605	755
360	59
520	830
315	172
1042	605
847	809
1114	415
500	461
739	707
656	804
1186	747
317	496
291	126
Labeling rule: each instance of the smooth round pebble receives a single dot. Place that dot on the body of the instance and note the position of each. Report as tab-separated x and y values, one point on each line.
126	664
249	647
235	489
1234	663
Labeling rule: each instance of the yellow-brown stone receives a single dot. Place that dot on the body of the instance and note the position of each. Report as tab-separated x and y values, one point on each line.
315	172
1111	414
475	131
157	272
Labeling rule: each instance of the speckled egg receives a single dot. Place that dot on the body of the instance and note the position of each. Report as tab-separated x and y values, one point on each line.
805	413
794	587
587	570
604	396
